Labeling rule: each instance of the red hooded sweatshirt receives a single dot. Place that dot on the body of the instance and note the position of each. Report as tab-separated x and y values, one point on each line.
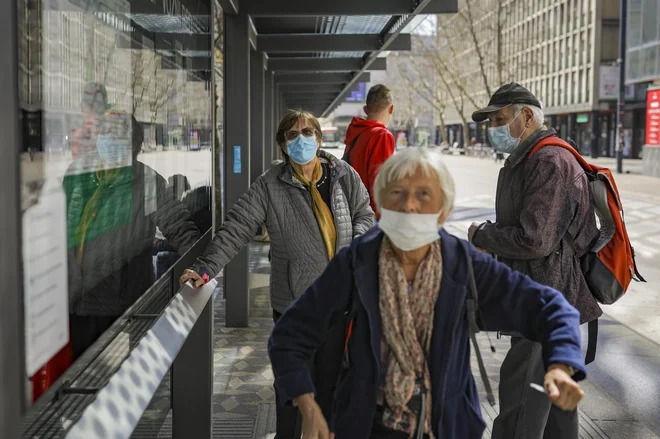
368	144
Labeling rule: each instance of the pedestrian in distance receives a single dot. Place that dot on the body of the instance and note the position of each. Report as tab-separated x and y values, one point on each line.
414	294
368	141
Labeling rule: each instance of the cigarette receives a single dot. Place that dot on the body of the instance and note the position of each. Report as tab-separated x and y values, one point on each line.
537	387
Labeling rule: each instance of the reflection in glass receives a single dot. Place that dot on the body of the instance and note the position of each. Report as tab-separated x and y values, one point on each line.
116	105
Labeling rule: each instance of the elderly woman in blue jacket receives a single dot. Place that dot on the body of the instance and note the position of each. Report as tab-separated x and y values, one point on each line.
409	370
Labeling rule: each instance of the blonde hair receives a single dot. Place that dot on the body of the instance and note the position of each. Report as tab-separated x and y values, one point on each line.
407	163
289	120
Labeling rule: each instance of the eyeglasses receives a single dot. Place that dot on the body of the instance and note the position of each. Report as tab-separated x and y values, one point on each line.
293	134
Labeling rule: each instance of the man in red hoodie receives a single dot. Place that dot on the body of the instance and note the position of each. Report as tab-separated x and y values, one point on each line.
368	141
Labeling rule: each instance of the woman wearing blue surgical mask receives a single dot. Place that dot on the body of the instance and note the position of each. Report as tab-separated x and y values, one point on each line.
313	205
404	285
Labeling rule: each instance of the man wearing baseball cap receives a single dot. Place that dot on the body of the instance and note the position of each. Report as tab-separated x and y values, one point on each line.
544	223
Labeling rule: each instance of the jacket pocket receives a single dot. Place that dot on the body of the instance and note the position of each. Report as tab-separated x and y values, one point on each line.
301	275
280	281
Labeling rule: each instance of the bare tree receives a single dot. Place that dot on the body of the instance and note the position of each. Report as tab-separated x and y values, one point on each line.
418	79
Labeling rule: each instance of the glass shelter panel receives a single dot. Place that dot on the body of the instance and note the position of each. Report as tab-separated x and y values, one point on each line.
116	102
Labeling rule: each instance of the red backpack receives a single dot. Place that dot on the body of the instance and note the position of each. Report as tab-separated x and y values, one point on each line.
609	265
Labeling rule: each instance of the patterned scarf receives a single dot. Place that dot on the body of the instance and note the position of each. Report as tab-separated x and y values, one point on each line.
321	211
407	319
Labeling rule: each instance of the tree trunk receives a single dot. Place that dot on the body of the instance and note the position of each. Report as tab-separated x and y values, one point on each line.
466	132
443	128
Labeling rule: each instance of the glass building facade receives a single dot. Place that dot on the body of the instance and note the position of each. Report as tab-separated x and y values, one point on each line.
643	76
643	41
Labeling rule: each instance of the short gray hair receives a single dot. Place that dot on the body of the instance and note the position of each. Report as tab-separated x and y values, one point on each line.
406	163
539	117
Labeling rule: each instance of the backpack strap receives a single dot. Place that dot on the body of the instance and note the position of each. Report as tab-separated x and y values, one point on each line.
347	151
351	314
472	305
561	143
593	341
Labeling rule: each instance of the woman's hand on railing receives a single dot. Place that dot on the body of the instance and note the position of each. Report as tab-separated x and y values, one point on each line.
197	280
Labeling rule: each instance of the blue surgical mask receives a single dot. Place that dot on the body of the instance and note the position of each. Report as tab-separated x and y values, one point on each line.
113	151
501	138
302	150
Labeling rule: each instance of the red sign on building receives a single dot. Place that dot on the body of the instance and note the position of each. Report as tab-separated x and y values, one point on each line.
653	117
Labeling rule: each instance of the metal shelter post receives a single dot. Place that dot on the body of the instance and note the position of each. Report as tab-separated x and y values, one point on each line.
257	145
237	156
12	334
277	109
269	131
192	380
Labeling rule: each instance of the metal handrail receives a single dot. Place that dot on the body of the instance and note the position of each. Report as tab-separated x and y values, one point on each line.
122	401
40	413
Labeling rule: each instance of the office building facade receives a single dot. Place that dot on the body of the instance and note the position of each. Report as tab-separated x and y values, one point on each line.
564	51
643	78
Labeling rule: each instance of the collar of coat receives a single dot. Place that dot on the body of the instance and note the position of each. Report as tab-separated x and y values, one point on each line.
365	257
336	169
521	153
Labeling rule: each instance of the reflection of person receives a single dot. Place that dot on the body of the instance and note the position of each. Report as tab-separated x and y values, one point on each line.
112	213
407	367
94	104
545	222
313	205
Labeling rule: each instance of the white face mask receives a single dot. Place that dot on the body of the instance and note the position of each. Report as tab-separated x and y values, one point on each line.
410	231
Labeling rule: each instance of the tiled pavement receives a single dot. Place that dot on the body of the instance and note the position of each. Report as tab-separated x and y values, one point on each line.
243	377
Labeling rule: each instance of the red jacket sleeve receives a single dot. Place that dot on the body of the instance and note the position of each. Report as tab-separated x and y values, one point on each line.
382	148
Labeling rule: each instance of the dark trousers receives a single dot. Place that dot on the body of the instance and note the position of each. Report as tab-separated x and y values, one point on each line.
526	413
324	368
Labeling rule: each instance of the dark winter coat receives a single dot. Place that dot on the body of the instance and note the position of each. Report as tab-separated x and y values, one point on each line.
117	264
540	201
508	301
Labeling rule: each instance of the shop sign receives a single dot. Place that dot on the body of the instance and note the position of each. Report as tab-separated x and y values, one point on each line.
653	117
609	84
582	118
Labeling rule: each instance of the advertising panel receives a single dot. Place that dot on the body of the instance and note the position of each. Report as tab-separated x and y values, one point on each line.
653	117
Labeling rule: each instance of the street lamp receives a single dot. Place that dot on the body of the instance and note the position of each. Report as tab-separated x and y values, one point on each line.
622	85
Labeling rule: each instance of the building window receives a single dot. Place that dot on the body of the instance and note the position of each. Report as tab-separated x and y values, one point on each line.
650	21
650	57
634	23
633	65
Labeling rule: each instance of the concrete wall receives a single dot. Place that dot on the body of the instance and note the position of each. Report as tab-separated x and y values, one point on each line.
651	162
